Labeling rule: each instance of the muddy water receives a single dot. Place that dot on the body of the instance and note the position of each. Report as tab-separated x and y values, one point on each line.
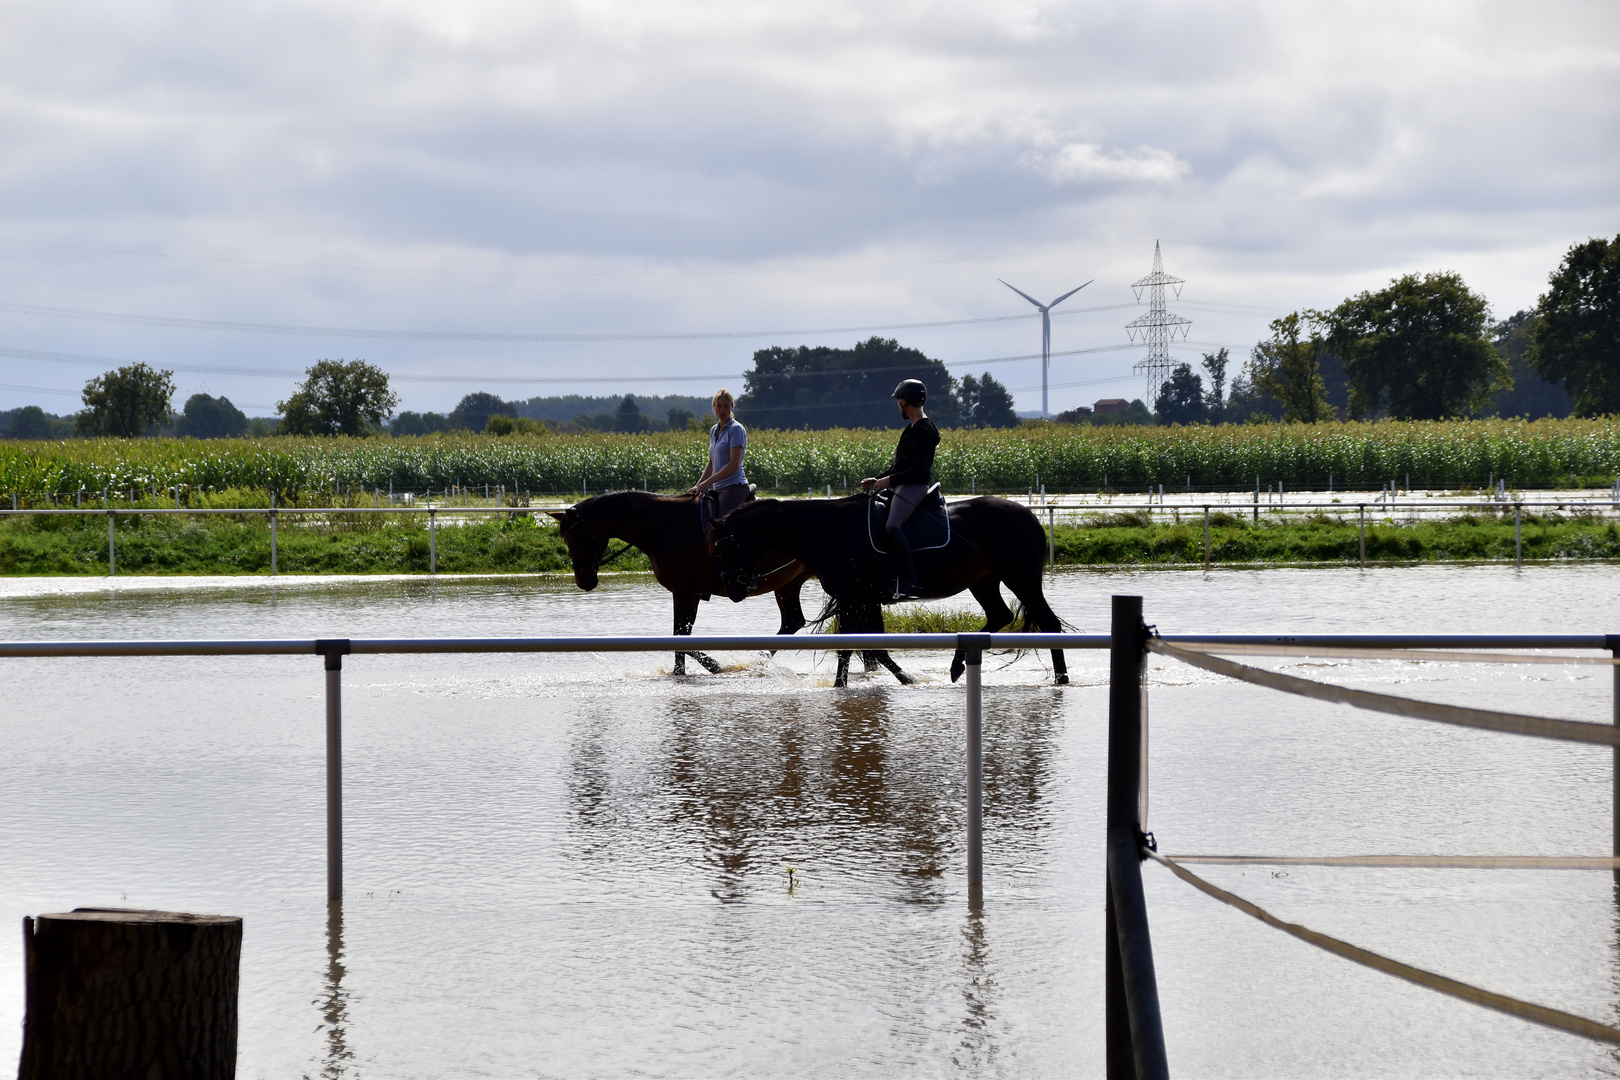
577	866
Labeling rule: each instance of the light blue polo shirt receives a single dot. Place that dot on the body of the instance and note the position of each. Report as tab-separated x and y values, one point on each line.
721	440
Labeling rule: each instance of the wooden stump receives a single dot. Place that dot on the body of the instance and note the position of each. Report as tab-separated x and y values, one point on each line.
116	994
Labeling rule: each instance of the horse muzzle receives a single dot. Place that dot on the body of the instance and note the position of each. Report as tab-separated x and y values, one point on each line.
586	579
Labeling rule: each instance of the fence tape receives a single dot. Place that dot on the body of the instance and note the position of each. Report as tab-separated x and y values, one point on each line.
1486	719
1464	862
1538	1014
1330	652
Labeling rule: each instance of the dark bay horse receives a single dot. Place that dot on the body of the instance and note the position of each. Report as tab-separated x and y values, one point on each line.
993	541
666	528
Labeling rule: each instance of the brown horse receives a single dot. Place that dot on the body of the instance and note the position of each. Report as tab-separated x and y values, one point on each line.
666	528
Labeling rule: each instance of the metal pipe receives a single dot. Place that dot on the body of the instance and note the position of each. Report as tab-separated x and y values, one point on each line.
973	646
1135	947
1206	538
272	534
1126	929
333	650
1051	535
1518	538
1364	536
1614	650
433	543
112	552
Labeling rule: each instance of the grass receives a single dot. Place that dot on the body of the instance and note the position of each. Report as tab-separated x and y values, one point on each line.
1440	455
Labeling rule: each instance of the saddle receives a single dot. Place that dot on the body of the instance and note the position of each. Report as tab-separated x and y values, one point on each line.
928	528
709	505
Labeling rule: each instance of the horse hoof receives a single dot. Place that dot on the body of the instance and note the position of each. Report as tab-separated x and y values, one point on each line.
957	667
1062	679
905	680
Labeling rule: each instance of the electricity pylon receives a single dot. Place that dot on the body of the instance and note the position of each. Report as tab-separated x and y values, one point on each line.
1158	326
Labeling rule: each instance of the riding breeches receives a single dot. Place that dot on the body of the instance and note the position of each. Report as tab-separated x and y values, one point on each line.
903	505
730	497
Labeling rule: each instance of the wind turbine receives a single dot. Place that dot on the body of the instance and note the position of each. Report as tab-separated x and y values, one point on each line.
1046	331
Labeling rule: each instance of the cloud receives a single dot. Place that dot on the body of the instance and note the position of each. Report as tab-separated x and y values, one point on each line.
1089	163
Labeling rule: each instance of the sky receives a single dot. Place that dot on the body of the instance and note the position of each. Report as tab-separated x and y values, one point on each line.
626	196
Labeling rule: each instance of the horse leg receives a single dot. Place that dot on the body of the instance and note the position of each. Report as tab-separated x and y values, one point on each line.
842	678
686	605
787	603
869	619
1036	607
996	616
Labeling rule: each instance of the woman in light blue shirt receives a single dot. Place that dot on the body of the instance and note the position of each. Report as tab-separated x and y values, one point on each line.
727	443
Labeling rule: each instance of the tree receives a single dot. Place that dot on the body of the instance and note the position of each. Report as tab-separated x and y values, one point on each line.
28	422
338	398
1530	396
1215	364
125	402
1289	368
415	423
1420	345
680	419
627	417
1181	398
984	402
474	410
206	417
823	387
1578	341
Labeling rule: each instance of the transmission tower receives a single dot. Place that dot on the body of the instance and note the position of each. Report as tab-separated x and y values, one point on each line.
1158	327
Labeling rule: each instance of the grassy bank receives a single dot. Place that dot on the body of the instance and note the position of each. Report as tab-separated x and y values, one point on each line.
385	544
1364	456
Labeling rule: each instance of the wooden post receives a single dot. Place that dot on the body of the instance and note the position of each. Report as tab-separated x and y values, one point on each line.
116	993
1133	1030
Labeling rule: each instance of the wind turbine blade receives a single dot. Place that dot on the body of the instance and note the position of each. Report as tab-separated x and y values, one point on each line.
1025	295
1066	295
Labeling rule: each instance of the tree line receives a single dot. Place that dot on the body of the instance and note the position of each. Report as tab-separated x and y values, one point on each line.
1424	347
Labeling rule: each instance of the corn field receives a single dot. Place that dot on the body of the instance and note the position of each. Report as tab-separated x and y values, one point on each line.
1362	456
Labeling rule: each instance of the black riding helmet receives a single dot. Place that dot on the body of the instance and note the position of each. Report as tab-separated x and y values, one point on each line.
911	391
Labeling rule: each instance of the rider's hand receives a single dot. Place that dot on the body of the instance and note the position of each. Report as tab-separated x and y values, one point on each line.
869	483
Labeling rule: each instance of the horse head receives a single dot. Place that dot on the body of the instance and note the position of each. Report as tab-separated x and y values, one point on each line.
585	547
739	562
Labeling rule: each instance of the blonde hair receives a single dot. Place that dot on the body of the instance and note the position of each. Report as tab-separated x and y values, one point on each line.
724	395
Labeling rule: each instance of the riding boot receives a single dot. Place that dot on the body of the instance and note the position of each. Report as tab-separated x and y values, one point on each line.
905	566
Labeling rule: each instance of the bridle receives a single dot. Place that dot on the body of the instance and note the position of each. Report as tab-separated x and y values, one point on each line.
579	523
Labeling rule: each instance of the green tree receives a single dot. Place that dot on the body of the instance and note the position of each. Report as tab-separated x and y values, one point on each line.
823	387
1215	401
474	410
1530	396
1422	345
1578	340
1181	398
207	417
125	402
984	402
338	397
627	417
1288	367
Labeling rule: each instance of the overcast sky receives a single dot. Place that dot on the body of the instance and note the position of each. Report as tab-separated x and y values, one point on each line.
615	168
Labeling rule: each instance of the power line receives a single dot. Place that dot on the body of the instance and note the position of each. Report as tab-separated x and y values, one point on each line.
468	335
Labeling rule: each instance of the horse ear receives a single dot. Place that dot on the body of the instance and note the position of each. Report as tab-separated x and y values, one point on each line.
558	514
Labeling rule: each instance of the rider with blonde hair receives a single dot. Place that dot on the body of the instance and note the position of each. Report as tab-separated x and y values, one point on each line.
727	442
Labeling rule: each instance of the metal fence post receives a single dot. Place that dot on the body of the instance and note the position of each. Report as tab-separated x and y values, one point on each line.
272	534
1051	535
433	541
1206	538
1134	1030
112	553
1364	536
333	650
973	646
1518	537
1613	645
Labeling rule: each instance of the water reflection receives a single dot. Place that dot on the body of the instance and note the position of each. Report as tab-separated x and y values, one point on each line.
334	1001
976	1052
864	786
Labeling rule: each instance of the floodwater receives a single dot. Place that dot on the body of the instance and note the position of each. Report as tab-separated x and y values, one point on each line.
578	866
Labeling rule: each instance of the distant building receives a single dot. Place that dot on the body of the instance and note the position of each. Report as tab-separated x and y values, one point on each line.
1110	405
1077	415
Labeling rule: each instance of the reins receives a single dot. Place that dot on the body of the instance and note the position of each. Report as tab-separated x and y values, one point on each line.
579	523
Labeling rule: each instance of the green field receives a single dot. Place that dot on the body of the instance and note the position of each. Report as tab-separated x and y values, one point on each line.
1063	458
506	544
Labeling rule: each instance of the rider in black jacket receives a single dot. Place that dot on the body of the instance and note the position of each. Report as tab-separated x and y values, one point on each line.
909	475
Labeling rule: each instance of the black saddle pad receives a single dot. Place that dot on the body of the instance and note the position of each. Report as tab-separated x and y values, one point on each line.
929	526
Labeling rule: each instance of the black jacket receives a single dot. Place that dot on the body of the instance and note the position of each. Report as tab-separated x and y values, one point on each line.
914	457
